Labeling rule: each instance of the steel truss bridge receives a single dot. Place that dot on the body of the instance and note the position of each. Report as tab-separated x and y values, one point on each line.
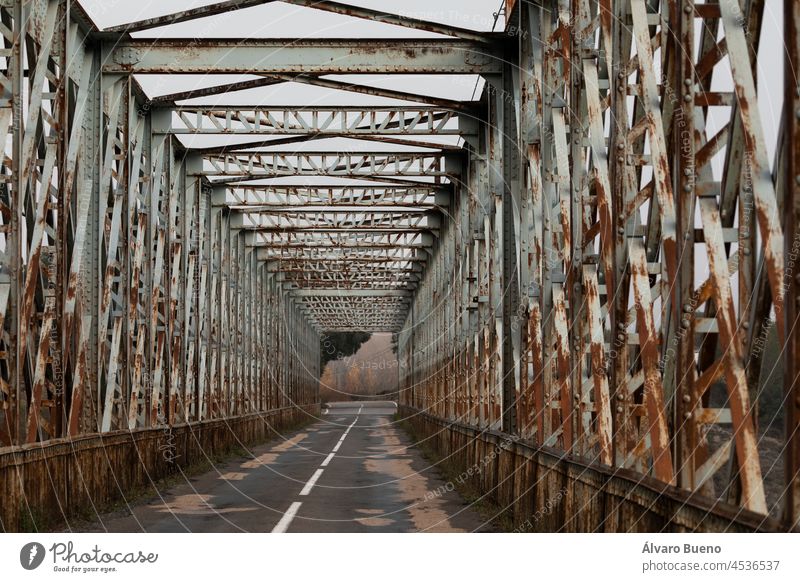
587	256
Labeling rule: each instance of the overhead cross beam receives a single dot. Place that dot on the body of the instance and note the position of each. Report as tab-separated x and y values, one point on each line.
343	254
311	120
301	56
326	163
297	197
355	240
169	100
337	221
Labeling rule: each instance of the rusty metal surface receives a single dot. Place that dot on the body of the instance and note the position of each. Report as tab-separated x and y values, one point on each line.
618	170
581	496
579	256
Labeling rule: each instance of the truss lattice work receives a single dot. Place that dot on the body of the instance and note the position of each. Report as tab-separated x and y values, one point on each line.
536	250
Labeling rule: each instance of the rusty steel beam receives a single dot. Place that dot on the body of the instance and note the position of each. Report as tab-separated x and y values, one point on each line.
280	197
317	81
242	147
169	99
394	19
390	221
339	121
327	6
186	15
325	163
303	56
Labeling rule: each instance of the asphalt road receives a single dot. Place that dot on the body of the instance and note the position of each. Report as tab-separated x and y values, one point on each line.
351	471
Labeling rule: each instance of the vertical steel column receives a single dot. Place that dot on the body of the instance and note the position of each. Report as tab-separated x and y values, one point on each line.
205	297
81	180
496	241
137	340
511	233
112	385
531	134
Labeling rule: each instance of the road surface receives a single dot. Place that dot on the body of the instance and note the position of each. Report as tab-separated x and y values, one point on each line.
351	471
